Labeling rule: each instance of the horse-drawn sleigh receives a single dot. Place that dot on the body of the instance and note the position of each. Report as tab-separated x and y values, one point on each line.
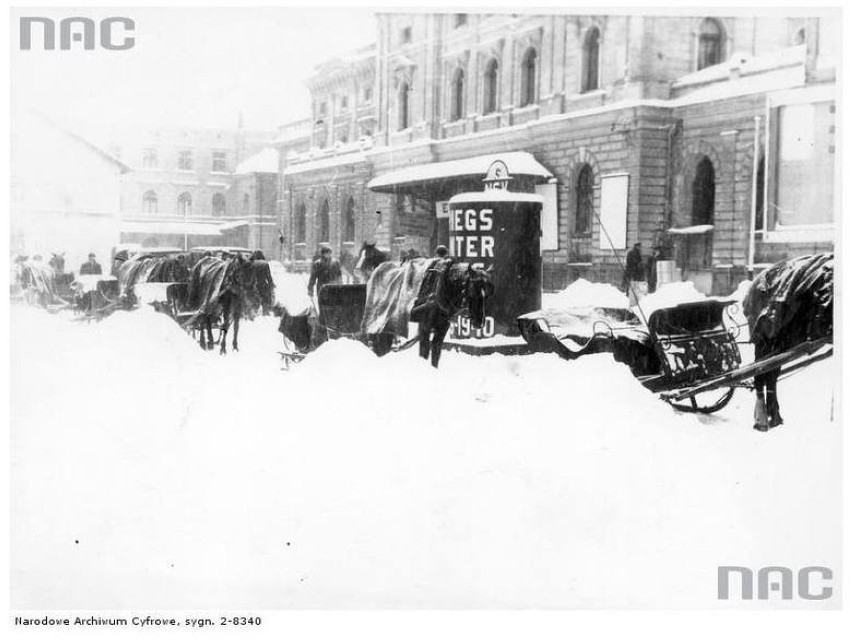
429	292
690	356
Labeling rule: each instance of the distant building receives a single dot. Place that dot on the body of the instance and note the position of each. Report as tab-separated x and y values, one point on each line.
181	189
66	192
254	197
713	137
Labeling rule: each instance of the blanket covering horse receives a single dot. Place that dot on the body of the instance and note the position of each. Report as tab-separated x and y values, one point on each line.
391	294
783	292
788	304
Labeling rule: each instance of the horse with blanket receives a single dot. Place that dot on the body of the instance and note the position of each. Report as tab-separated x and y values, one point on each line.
220	288
37	280
429	291
790	303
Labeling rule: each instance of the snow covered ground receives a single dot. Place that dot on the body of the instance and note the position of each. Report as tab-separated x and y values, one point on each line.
147	473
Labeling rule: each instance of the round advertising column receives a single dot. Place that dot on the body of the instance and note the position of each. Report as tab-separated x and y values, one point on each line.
499	229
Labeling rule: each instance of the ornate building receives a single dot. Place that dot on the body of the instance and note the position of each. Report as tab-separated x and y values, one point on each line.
711	137
183	186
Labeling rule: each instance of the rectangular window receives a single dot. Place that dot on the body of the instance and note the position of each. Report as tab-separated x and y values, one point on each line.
220	162
549	217
185	160
344	103
802	189
149	158
368	94
614	211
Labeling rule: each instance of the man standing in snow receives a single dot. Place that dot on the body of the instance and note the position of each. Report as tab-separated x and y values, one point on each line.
634	274
91	267
324	270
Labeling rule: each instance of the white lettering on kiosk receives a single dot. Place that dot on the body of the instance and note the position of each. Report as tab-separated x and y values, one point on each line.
472	246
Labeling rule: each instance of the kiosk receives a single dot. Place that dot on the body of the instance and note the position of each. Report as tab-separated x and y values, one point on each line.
500	230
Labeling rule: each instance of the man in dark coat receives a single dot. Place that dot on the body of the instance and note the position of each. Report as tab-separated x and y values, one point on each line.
324	270
91	267
263	280
634	283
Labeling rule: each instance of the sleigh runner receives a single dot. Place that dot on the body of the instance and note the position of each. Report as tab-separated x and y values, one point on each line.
689	356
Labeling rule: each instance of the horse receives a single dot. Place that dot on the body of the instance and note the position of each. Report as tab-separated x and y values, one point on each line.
38	283
790	303
219	288
368	259
429	291
57	262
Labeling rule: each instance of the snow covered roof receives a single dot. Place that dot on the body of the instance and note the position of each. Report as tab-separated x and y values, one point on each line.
179	227
496	195
265	161
518	163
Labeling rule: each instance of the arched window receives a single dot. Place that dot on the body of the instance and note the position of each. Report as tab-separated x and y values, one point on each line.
300	223
457	96
402	103
585	201
184	204
703	192
150	202
322	222
489	98
218	204
591	60
246	204
528	77
758	197
349	221
711	41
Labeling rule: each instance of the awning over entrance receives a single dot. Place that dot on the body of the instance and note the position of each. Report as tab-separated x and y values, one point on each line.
179	227
519	163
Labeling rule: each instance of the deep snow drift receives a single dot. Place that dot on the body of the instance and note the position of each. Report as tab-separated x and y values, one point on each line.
147	473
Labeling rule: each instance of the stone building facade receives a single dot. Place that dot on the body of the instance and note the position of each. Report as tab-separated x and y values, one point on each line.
720	129
182	185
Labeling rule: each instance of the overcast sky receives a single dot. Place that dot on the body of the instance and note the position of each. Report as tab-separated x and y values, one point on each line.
190	66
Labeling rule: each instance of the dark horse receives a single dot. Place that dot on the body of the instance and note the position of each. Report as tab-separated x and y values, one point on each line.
448	289
219	288
368	259
430	292
790	303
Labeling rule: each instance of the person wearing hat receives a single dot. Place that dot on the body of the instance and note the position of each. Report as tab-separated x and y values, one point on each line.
442	252
91	267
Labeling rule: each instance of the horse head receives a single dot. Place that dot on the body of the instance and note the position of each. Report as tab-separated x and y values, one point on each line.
57	262
478	287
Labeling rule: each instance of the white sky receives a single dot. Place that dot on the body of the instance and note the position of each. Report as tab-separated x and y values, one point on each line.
189	67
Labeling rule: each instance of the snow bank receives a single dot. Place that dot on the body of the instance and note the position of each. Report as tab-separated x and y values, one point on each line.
582	293
670	294
147	473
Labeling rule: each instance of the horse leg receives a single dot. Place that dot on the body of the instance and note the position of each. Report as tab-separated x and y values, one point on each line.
442	325
236	328
772	407
226	321
200	328
761	422
423	331
209	326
